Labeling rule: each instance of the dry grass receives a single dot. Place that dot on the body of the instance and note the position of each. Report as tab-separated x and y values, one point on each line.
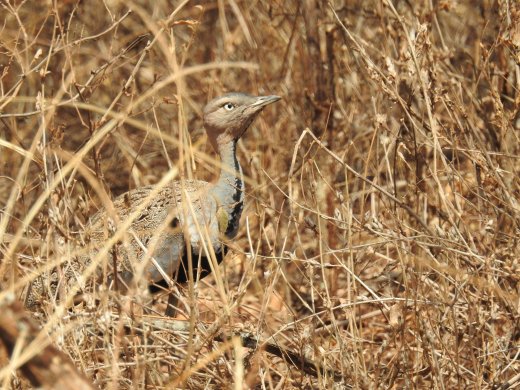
380	237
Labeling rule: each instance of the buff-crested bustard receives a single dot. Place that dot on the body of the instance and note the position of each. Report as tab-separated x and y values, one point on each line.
168	233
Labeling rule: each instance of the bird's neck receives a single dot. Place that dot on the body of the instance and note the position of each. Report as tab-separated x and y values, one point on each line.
229	189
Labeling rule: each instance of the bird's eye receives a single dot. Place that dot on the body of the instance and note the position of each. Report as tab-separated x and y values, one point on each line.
229	106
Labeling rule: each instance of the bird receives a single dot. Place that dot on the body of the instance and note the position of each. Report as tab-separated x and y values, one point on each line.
168	234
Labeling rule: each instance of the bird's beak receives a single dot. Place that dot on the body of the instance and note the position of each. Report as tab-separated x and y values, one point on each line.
263	101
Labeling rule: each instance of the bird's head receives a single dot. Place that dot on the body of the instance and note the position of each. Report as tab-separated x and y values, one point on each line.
226	118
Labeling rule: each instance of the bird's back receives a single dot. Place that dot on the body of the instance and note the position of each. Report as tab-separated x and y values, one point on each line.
157	232
160	227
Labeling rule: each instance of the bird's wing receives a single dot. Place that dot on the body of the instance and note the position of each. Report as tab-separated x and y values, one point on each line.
156	235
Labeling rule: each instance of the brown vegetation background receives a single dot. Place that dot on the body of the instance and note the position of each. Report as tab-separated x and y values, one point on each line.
380	237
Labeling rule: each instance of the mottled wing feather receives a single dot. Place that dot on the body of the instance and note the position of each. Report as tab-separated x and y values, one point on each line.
160	226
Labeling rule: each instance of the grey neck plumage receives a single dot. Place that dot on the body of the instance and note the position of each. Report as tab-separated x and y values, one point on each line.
229	189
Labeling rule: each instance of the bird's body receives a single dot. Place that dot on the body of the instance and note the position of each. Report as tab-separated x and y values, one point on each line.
158	227
184	221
